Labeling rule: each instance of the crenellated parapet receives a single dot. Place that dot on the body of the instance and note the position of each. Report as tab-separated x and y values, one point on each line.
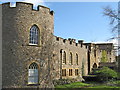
71	42
29	6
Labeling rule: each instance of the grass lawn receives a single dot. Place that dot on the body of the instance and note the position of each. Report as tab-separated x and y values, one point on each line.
73	85
91	85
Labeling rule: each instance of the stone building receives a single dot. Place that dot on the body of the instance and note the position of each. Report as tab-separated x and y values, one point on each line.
33	57
98	51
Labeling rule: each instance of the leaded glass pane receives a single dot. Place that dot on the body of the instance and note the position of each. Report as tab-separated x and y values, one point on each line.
33	74
34	35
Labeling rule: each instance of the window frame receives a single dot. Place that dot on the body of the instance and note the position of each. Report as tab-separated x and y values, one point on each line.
64	57
77	59
71	59
34	35
70	72
76	72
33	74
64	72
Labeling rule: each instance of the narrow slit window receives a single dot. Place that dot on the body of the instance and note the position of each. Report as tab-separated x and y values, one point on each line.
71	62
77	59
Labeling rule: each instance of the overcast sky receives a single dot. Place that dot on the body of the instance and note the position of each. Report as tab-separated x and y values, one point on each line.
79	20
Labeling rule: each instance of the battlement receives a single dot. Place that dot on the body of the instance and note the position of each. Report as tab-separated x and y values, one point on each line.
27	6
71	42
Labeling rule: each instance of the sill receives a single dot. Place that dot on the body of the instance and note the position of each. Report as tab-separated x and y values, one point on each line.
33	44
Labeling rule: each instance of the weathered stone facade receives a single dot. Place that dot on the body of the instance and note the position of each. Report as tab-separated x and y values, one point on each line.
70	46
95	54
18	53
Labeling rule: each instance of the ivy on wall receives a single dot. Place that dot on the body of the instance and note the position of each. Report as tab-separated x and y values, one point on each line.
104	56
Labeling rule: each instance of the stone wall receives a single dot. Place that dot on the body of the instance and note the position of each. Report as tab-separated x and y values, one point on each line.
0	47
70	46
17	53
91	56
95	54
109	48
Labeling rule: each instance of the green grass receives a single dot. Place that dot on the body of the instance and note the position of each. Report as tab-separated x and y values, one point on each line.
92	85
73	85
102	86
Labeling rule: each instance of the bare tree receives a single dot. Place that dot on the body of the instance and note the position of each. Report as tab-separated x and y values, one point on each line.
114	16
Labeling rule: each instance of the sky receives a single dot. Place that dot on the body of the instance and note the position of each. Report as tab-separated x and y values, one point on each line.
82	20
79	20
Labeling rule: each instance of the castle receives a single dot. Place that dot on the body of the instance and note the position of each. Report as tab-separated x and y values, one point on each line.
33	57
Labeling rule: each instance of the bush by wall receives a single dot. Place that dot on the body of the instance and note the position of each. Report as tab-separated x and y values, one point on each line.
105	74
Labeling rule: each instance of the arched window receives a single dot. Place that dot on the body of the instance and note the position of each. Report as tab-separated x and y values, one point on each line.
76	58
64	57
71	58
34	31
33	74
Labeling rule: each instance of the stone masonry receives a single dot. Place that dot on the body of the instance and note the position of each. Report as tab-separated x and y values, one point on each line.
57	58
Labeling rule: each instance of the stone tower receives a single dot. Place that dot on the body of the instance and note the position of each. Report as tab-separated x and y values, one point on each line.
18	52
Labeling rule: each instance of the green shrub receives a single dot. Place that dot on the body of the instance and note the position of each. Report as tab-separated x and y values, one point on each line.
106	74
118	75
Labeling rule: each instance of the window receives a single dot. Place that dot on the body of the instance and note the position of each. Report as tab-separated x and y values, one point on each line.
34	35
64	57
77	59
71	59
63	72
94	53
61	54
70	72
76	72
33	74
